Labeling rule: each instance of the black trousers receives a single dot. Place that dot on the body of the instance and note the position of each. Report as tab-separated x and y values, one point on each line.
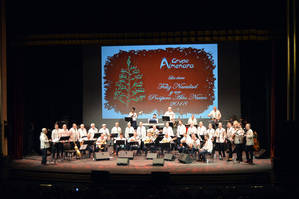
60	149
239	152
54	150
220	147
249	153
230	150
44	156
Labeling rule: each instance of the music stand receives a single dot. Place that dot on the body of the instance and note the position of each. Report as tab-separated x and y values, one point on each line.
128	119
64	138
131	134
159	138
88	142
120	142
97	135
113	135
133	143
165	118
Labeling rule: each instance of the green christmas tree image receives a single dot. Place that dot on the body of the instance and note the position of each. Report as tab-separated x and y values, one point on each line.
129	87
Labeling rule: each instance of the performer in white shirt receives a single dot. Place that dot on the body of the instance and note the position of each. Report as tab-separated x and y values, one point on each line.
195	144
104	130
210	131
181	129
229	140
192	120
74	134
55	140
238	141
166	140
64	132
129	130
134	117
249	144
44	145
185	142
149	142
134	138
93	130
154	130
170	114
220	135
215	115
101	143
192	129
82	133
206	148
117	147
116	130
168	129
141	131
201	130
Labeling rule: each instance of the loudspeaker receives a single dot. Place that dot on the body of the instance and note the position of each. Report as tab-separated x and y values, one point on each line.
260	154
151	155
169	157
158	162
102	156
126	154
185	158
123	161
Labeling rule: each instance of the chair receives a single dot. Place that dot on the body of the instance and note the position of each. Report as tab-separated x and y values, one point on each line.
68	150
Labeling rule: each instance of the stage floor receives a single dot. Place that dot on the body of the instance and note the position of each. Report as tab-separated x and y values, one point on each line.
140	165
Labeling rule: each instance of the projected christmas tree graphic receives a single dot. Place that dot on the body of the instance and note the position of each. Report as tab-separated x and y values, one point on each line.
129	87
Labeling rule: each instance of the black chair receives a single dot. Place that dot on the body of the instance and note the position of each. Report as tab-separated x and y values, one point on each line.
68	151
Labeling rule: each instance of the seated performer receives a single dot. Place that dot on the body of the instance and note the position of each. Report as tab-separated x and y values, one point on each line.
229	140
201	130
104	130
149	142
170	114
168	129
101	143
44	145
82	133
194	144
116	130
55	142
192	120
215	116
220	135
166	141
192	130
90	135
136	140
122	146
205	149
154	119
185	143
129	130
249	144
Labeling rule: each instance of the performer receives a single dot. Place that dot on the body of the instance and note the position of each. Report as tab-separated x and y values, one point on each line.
166	140
185	142
195	144
170	114
104	130
93	130
116	130
192	130
201	130
154	119
181	130
141	131
134	116
129	130
229	140
82	133
249	144
220	135
134	138
122	146
74	135
55	141
44	145
168	129
206	148
64	132
101	143
149	142
211	133
192	120
154	130
238	141
215	115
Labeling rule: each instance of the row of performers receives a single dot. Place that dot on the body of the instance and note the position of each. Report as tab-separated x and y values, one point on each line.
191	140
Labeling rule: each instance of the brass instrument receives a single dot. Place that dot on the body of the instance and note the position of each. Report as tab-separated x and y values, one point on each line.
101	144
148	140
78	153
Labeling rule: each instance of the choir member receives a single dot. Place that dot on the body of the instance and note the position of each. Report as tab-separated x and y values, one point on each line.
141	131
181	130
82	133
104	130
168	129
44	145
249	143
192	129
129	130
201	130
116	130
74	134
206	148
192	120
64	132
55	141
93	130
229	140
220	135
238	141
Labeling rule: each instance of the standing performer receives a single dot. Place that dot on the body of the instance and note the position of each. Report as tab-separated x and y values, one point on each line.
74	135
249	144
238	141
93	130
129	130
215	116
82	133
168	130
192	130
141	131
220	139
170	114
201	130
211	133
229	140
55	140
181	130
116	129
44	145
64	132
104	130
192	120
134	116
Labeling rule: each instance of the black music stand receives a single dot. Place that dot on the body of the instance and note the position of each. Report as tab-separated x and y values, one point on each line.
131	134
120	142
114	135
64	138
88	142
128	119
165	118
97	135
133	143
